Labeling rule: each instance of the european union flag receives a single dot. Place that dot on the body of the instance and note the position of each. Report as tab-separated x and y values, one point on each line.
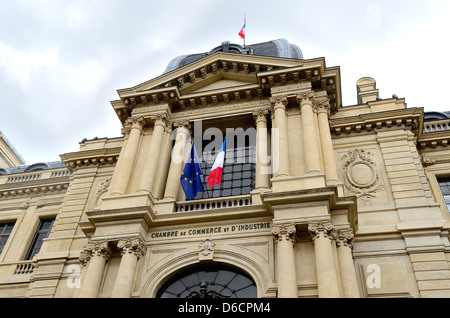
190	177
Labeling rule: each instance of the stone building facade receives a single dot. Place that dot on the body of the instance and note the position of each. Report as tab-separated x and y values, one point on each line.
317	199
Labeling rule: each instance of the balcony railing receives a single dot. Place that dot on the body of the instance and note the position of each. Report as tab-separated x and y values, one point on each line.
436	126
33	176
24	268
214	203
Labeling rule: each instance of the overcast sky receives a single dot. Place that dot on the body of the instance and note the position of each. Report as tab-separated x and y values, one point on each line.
61	61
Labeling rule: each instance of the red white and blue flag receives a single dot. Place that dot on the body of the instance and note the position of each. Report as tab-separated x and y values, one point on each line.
215	175
242	32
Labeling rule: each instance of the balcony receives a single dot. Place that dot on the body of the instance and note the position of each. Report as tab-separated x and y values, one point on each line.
214	203
436	126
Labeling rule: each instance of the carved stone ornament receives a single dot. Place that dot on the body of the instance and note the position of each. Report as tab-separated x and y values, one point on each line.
284	233
133	122
206	249
132	246
345	238
99	249
360	176
321	229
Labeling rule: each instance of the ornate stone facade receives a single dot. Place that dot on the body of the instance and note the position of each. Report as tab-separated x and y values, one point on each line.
344	201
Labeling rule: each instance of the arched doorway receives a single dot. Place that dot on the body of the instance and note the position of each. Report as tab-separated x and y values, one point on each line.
209	281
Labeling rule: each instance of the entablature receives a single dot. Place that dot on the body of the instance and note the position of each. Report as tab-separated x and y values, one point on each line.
253	76
409	117
76	160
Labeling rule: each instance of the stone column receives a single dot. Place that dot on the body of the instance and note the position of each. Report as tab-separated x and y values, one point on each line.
280	144
329	160
327	283
262	169
177	160
133	130
151	165
163	170
95	256
131	250
311	148
286	274
346	266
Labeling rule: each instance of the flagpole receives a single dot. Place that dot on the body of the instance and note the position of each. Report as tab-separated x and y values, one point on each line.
245	23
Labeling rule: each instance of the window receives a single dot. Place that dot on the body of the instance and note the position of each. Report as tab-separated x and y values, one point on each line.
42	232
214	281
5	231
444	184
238	174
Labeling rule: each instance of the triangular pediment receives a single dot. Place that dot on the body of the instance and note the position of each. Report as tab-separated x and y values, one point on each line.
223	78
212	72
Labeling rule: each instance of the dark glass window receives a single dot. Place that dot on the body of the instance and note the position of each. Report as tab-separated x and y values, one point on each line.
5	231
238	174
209	282
42	232
444	184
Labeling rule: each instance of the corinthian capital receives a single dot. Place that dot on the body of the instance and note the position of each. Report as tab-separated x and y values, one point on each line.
278	102
345	238
95	249
132	246
305	98
322	106
260	115
161	119
321	229
185	124
284	232
133	122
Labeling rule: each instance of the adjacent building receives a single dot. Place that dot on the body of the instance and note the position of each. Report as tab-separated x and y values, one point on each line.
317	199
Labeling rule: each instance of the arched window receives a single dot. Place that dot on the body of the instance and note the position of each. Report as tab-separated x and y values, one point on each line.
213	281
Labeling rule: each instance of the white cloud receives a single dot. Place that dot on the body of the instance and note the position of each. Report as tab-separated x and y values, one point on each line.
20	66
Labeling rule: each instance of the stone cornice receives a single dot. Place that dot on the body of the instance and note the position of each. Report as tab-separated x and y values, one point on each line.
410	117
76	160
175	89
33	188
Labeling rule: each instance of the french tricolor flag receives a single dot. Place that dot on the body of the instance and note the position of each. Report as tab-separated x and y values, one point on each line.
242	32
215	175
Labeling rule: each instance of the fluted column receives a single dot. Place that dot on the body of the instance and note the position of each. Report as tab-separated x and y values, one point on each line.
149	173
327	283
346	266
94	256
262	169
131	251
286	274
280	144
309	118
329	160
133	130
177	163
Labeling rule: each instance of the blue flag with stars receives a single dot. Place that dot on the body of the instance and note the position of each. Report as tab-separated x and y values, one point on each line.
190	177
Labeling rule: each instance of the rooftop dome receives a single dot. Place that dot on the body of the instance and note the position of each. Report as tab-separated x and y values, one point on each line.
275	48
